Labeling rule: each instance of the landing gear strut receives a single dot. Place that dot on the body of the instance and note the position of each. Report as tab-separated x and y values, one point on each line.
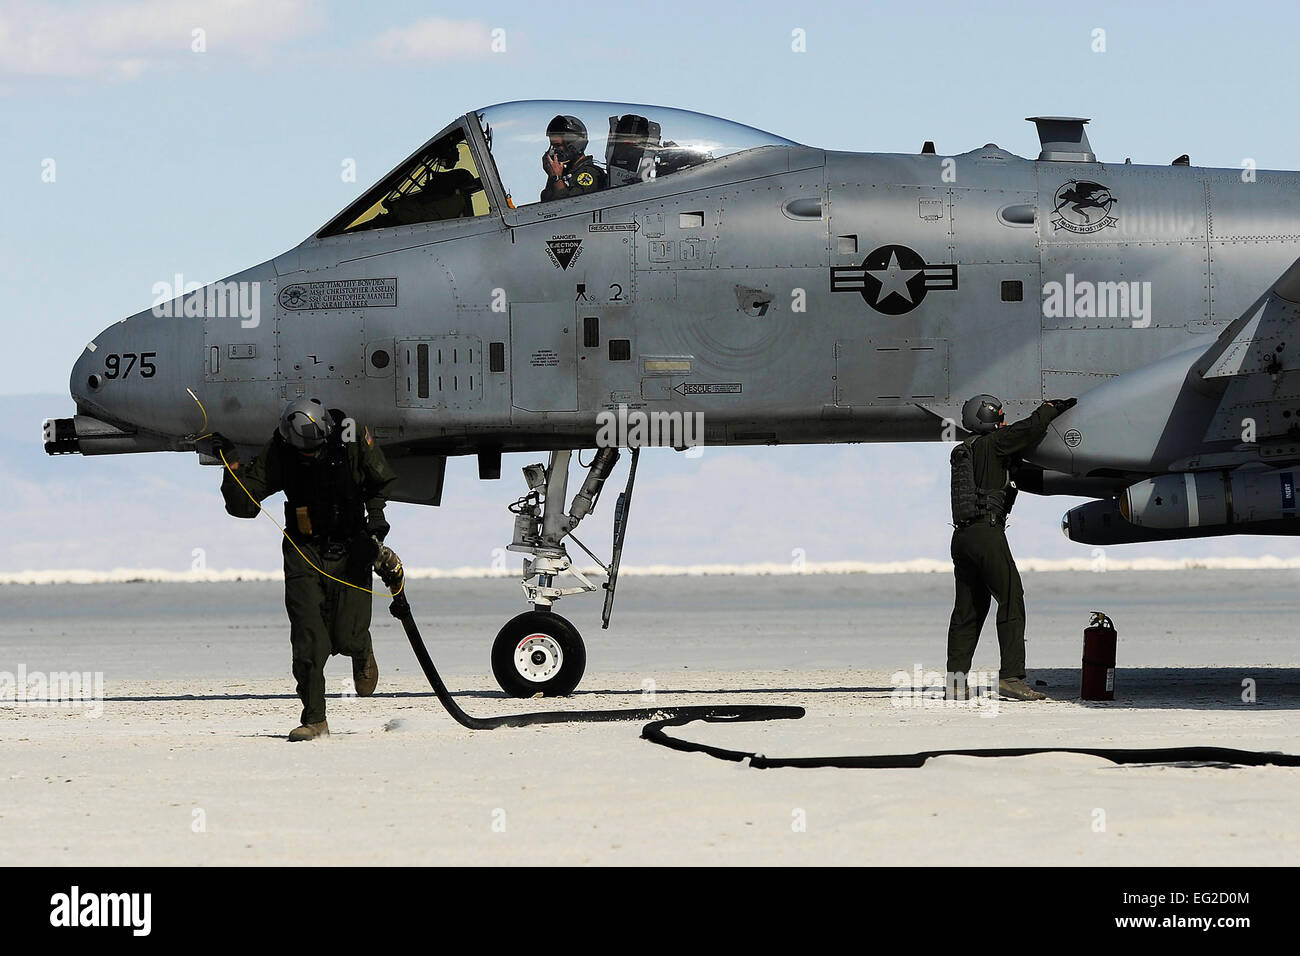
540	652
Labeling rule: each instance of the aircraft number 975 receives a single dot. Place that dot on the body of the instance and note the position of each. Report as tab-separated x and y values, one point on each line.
113	364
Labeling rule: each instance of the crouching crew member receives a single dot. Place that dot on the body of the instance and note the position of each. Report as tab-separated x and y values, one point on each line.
334	479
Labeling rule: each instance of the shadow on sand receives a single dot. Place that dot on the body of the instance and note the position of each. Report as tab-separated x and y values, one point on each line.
1175	688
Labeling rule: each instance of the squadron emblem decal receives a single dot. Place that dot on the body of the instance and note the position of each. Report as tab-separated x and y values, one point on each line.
1083	207
563	250
893	279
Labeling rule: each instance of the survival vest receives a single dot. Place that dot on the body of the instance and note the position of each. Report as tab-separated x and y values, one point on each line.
323	499
970	502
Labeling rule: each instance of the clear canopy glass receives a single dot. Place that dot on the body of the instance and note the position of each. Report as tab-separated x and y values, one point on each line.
611	145
441	181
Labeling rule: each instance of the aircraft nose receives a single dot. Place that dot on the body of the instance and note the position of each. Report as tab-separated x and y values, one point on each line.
142	374
134	373
89	374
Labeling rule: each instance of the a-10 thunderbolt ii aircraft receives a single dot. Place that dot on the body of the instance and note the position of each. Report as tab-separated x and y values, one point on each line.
789	294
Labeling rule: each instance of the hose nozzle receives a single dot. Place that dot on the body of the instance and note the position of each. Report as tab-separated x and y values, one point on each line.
389	568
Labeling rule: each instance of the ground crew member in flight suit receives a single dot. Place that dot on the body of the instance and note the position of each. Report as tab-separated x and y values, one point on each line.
334	478
569	170
982	495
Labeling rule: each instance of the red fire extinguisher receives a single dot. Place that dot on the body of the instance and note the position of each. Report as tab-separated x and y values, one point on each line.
1099	638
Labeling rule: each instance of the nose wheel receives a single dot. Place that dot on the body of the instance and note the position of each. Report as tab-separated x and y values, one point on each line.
538	652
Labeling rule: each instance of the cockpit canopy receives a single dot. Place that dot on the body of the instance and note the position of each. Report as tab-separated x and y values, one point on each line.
441	181
626	145
631	143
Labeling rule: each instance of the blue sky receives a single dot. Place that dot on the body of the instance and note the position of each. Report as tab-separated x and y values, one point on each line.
170	161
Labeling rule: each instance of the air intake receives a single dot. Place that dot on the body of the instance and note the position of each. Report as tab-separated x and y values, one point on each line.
1063	139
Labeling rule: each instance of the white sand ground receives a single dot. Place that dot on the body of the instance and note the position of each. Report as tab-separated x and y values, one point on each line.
400	782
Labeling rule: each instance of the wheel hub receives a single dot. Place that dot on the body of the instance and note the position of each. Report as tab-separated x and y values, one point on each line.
538	657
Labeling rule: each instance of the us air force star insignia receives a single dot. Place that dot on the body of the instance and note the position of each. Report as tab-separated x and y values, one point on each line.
584	179
893	279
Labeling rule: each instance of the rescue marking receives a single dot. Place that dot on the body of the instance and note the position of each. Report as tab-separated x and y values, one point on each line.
707	388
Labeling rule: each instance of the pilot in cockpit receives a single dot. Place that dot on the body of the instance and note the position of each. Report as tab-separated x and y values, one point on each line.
569	170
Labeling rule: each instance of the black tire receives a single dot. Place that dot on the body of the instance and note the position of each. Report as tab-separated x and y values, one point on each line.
555	665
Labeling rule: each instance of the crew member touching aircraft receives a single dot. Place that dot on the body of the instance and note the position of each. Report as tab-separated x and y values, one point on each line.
334	479
982	495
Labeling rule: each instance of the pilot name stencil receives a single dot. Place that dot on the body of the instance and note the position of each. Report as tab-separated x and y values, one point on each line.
893	279
564	250
339	294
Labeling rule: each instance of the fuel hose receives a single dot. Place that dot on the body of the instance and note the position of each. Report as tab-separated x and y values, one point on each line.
661	718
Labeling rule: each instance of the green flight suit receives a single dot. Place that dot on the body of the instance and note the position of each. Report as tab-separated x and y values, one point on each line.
982	563
580	177
325	617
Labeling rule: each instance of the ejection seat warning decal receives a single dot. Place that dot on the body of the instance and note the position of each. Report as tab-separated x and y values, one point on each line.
707	388
563	250
339	294
1288	491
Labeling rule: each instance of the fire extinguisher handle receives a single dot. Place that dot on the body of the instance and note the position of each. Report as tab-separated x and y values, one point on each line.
1100	618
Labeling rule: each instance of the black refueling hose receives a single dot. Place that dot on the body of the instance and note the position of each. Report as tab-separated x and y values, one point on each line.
1189	756
401	609
663	717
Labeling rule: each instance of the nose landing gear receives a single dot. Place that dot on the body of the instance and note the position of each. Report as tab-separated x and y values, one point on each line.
540	652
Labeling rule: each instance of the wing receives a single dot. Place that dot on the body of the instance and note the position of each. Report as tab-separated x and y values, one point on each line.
1257	361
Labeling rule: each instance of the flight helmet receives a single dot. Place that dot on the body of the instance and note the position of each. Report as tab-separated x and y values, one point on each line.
981	414
574	133
305	424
